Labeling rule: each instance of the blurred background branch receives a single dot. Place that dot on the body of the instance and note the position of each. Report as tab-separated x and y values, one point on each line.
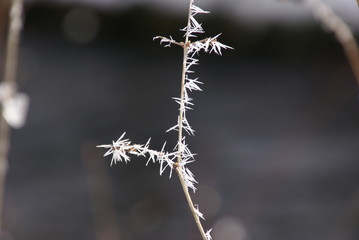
341	30
10	73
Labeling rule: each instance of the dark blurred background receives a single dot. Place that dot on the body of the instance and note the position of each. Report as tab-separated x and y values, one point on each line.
277	125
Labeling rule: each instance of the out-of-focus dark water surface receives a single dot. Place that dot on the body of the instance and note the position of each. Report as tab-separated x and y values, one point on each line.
277	129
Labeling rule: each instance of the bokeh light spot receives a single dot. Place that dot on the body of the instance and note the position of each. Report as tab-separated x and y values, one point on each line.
80	25
229	228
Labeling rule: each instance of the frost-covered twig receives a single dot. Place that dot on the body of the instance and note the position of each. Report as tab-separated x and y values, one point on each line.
341	30
13	104
188	84
181	156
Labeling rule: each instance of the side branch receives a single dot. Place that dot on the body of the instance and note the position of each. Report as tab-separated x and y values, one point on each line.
168	41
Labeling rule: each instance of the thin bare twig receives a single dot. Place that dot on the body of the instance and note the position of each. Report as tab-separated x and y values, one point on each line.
191	205
341	30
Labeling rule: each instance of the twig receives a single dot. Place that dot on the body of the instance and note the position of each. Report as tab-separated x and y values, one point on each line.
11	61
